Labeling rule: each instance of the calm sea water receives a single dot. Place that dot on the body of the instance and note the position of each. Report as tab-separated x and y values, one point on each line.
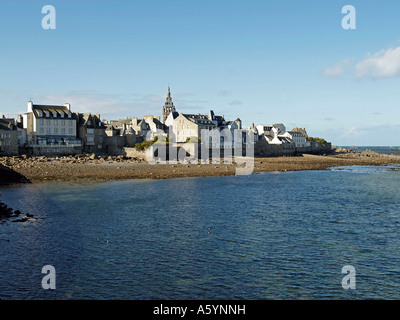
264	236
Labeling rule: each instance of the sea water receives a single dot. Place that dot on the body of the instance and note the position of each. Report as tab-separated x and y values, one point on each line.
273	235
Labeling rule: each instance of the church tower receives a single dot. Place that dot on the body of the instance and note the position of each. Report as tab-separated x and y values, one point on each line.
168	107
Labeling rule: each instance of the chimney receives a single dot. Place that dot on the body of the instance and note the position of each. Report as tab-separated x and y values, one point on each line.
30	106
68	106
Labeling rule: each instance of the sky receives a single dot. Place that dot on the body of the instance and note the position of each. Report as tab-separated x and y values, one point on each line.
262	61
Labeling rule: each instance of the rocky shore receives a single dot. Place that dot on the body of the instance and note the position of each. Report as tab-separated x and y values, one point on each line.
7	213
102	168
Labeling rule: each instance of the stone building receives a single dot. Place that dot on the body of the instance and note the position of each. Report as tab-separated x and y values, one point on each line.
92	132
8	138
189	126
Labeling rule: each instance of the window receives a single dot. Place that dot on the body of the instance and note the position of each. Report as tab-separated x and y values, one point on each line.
69	115
56	122
55	114
47	114
70	131
47	130
62	115
41	130
90	139
47	122
40	114
55	130
70	123
7	143
63	122
90	131
62	130
41	122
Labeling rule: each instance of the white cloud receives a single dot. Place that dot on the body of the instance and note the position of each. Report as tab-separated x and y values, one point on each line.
93	102
338	69
383	64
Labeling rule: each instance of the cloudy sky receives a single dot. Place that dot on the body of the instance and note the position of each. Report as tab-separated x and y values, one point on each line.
262	61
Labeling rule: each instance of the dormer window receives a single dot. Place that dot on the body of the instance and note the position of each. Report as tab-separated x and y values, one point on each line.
47	114
62	115
69	115
55	114
40	114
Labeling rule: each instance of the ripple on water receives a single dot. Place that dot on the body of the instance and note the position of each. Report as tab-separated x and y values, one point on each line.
268	236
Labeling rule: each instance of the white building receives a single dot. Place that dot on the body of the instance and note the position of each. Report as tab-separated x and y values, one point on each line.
298	138
274	134
45	124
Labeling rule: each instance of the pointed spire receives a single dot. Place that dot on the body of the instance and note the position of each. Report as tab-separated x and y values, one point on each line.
168	105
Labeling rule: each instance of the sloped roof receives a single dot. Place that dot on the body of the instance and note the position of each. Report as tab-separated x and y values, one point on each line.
6	125
36	108
197	117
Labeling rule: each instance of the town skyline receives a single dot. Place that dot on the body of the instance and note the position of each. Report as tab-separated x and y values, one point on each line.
262	62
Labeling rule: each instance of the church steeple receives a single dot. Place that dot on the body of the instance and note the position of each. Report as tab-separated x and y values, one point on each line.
168	106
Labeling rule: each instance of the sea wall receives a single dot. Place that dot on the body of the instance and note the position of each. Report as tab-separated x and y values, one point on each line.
56	150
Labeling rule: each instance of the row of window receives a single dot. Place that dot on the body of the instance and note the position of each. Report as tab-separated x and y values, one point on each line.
56	131
5	136
55	122
5	143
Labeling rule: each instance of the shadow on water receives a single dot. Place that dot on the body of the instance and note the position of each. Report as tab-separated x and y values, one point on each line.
8	177
28	246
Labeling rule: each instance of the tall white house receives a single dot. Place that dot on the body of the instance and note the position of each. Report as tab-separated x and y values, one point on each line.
47	124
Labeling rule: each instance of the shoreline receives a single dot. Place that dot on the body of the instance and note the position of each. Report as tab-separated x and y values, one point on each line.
89	168
22	169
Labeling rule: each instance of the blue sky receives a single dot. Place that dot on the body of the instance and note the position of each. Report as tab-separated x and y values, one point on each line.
262	61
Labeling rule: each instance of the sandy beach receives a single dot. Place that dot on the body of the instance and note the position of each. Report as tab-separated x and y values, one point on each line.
93	168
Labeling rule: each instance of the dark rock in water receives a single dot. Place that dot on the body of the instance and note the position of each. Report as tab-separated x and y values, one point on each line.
17	212
29	215
24	219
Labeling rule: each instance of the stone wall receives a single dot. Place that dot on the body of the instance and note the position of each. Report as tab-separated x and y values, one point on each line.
316	148
51	150
114	146
133	153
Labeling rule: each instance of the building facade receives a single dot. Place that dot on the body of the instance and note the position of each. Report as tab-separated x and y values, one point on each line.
92	132
8	138
50	125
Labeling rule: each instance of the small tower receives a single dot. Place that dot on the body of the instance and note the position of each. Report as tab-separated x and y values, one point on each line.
168	107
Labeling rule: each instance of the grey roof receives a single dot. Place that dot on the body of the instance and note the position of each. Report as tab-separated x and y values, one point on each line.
36	108
7	125
85	117
198	117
